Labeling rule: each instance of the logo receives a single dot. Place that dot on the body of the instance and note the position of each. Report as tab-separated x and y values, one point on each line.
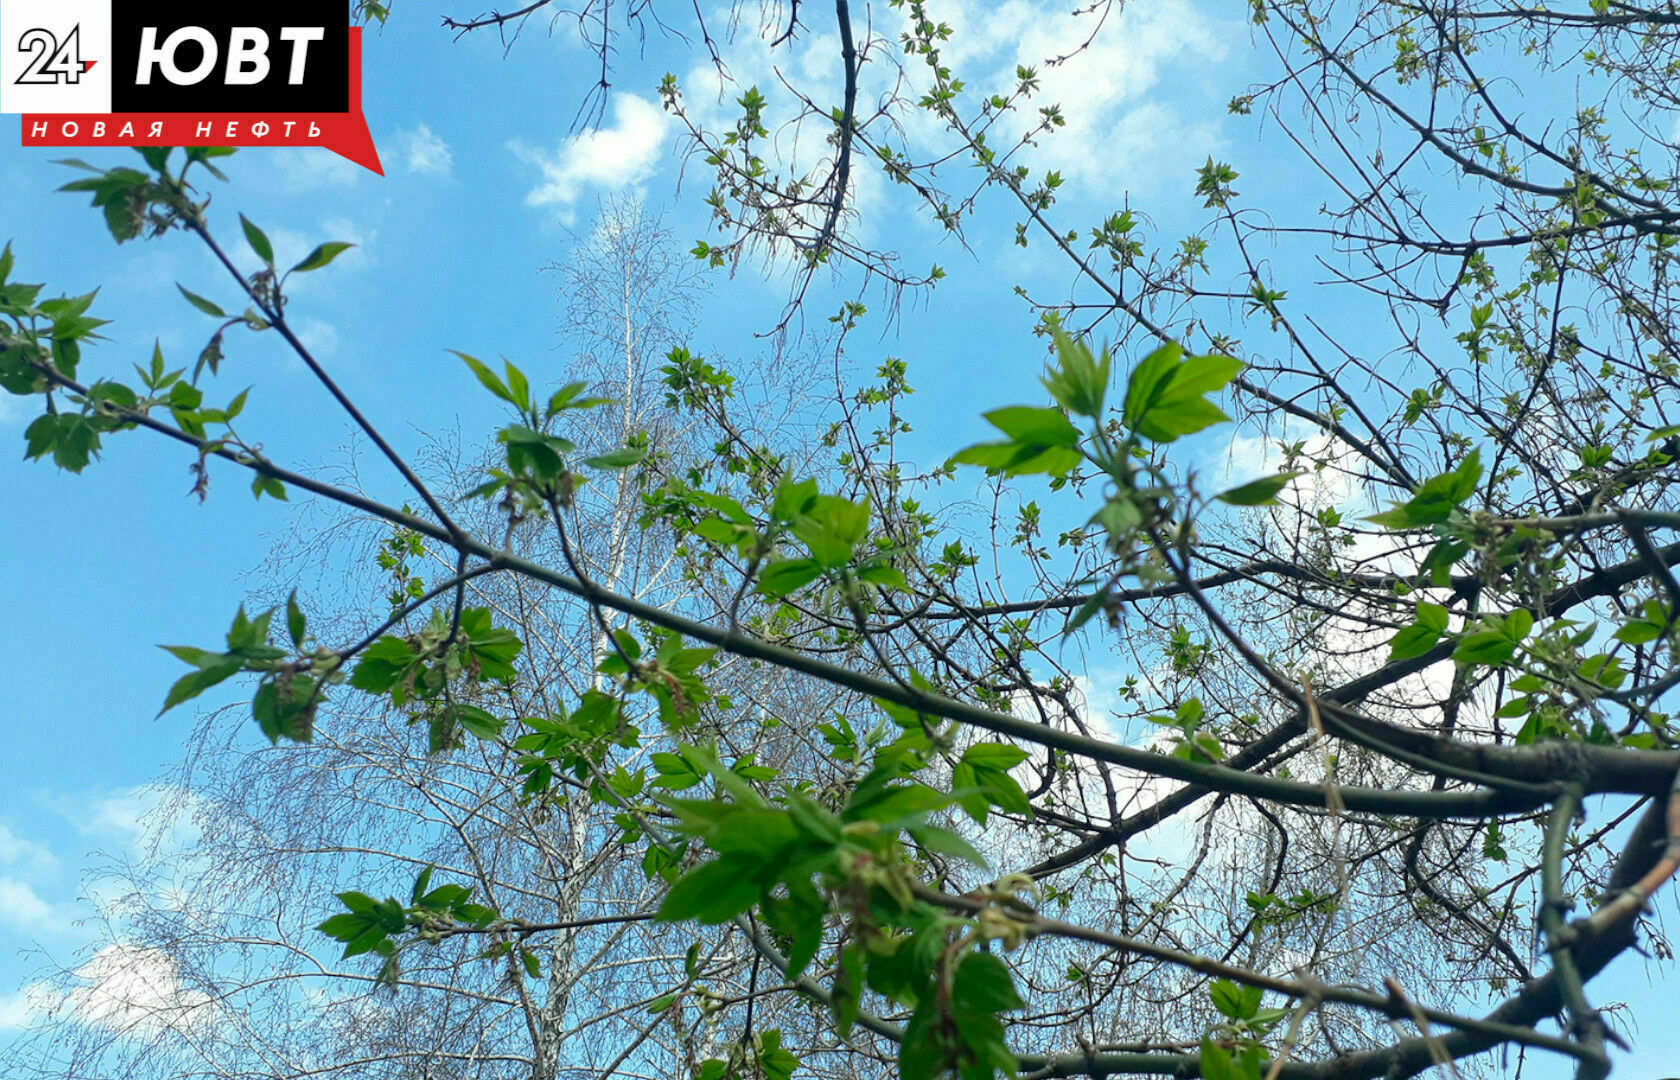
52	62
139	73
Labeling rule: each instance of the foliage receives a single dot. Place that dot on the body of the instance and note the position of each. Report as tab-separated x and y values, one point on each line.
1355	698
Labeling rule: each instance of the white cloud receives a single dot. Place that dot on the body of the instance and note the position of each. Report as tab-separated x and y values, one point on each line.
123	814
1122	129
1118	126
16	850
145	818
318	336
621	155
128	987
424	151
21	908
10	409
18	1011
1104	711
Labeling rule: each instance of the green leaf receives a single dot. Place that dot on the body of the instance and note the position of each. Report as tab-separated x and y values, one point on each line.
321	256
201	303
1217	1063
994	756
617	459
267	485
787	575
567	398
1261	492
195	683
477	723
815	820
895	805
422	882
345	926
1436	498
491	381
1041	441
983	983
883	576
518	386
832	528
1013	459
41	436
1037	425
713	892
1165	396
1143	385
382	664
1491	647
295	622
1421	636
945	842
1079	383
1236	1002
258	241
477	914
446	897
365	942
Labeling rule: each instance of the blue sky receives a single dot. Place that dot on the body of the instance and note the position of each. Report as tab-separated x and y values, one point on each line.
485	175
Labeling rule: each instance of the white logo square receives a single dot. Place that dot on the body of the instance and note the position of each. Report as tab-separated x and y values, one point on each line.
55	56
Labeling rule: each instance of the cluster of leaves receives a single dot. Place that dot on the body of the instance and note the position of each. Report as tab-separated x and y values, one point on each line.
424	671
1166	398
797	861
40	353
1190	742
1234	1049
766	1058
135	202
830	528
537	474
291	682
379	926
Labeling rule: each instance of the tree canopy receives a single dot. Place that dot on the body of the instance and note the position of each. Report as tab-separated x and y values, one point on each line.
692	724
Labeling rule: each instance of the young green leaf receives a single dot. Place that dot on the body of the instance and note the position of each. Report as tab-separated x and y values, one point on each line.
201	303
713	892
321	256
295	622
490	380
617	459
258	241
1261	492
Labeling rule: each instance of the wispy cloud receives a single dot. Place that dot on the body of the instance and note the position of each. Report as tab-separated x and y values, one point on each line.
16	850
319	336
22	909
617	156
18	1010
424	151
129	987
